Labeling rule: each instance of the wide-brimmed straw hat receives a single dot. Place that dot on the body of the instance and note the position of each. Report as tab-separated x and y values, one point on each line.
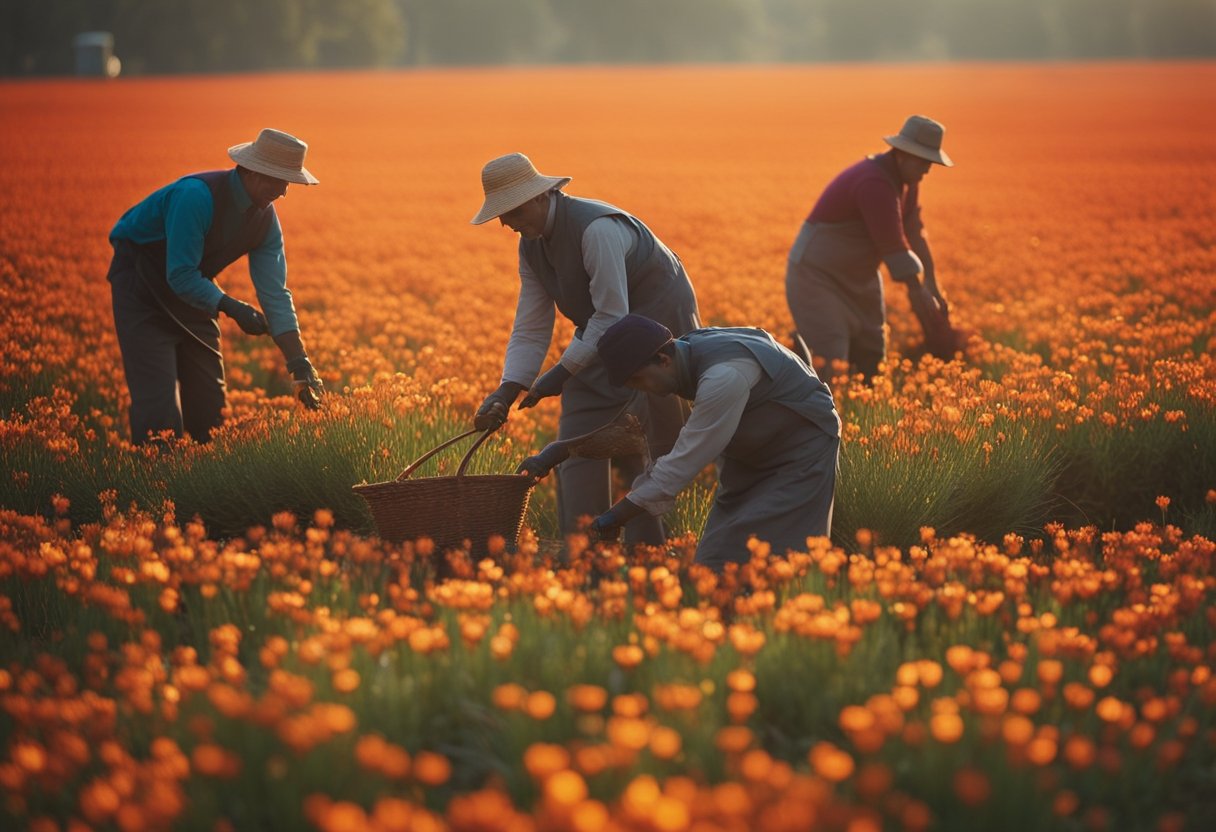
276	154
921	136
628	344
510	181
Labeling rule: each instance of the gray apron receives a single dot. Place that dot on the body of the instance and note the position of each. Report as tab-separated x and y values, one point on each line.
835	294
776	482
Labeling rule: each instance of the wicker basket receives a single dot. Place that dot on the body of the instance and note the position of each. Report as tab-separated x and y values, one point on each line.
450	510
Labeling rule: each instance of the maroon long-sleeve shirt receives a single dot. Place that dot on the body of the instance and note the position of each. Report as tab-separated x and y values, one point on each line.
871	191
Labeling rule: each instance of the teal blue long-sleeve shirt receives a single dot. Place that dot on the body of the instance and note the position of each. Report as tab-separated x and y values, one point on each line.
180	214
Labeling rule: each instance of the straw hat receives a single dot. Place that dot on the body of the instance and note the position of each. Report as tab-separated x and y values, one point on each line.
628	344
276	154
921	136
510	181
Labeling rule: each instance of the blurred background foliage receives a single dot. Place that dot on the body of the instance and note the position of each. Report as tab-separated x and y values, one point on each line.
178	36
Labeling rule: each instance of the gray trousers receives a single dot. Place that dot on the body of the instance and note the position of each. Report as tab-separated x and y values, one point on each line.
584	486
777	481
174	369
835	294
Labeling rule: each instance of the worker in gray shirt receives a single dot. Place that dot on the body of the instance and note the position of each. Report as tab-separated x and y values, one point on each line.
758	410
594	263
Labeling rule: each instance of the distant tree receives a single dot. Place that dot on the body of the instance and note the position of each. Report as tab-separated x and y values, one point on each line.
36	36
667	31
479	31
353	32
165	36
1188	31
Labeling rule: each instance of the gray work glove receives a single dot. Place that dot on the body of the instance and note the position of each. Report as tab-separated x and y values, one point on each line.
493	411
308	385
549	384
249	319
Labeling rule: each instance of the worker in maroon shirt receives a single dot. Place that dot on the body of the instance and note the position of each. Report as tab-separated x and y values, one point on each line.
867	216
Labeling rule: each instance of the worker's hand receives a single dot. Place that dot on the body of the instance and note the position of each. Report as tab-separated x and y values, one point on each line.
249	319
307	384
549	384
493	411
924	305
608	525
538	465
936	294
604	528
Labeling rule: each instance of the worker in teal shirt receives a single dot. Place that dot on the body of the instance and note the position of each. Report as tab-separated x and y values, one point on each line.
168	250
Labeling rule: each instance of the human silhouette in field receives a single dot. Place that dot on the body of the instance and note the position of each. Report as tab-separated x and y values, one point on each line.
868	216
758	410
593	263
168	250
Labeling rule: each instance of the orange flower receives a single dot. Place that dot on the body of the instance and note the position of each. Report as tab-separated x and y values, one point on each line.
856	718
1079	752
344	816
544	759
540	705
587	698
1050	671
946	727
1110	709
509	697
930	673
212	760
733	739
628	733
628	656
565	789
1041	750
972	786
431	769
740	706
346	681
30	756
1017	730
665	743
742	681
392	814
830	763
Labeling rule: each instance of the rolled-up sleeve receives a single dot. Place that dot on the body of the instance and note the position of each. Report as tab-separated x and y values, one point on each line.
722	394
268	271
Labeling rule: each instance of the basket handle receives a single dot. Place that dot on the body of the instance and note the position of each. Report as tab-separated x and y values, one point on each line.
464	462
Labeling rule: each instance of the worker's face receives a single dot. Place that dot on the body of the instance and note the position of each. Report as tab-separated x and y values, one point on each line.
264	189
657	378
528	220
912	169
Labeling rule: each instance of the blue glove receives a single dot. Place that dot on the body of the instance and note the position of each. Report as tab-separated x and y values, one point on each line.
549	384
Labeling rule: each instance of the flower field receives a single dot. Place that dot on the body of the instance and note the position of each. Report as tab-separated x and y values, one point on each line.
1011	627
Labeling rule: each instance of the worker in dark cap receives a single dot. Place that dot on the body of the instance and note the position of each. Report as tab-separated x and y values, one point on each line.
758	410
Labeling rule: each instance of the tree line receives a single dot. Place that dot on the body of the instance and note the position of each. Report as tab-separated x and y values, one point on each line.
173	36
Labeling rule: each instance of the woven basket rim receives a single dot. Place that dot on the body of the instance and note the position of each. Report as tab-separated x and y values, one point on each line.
484	479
